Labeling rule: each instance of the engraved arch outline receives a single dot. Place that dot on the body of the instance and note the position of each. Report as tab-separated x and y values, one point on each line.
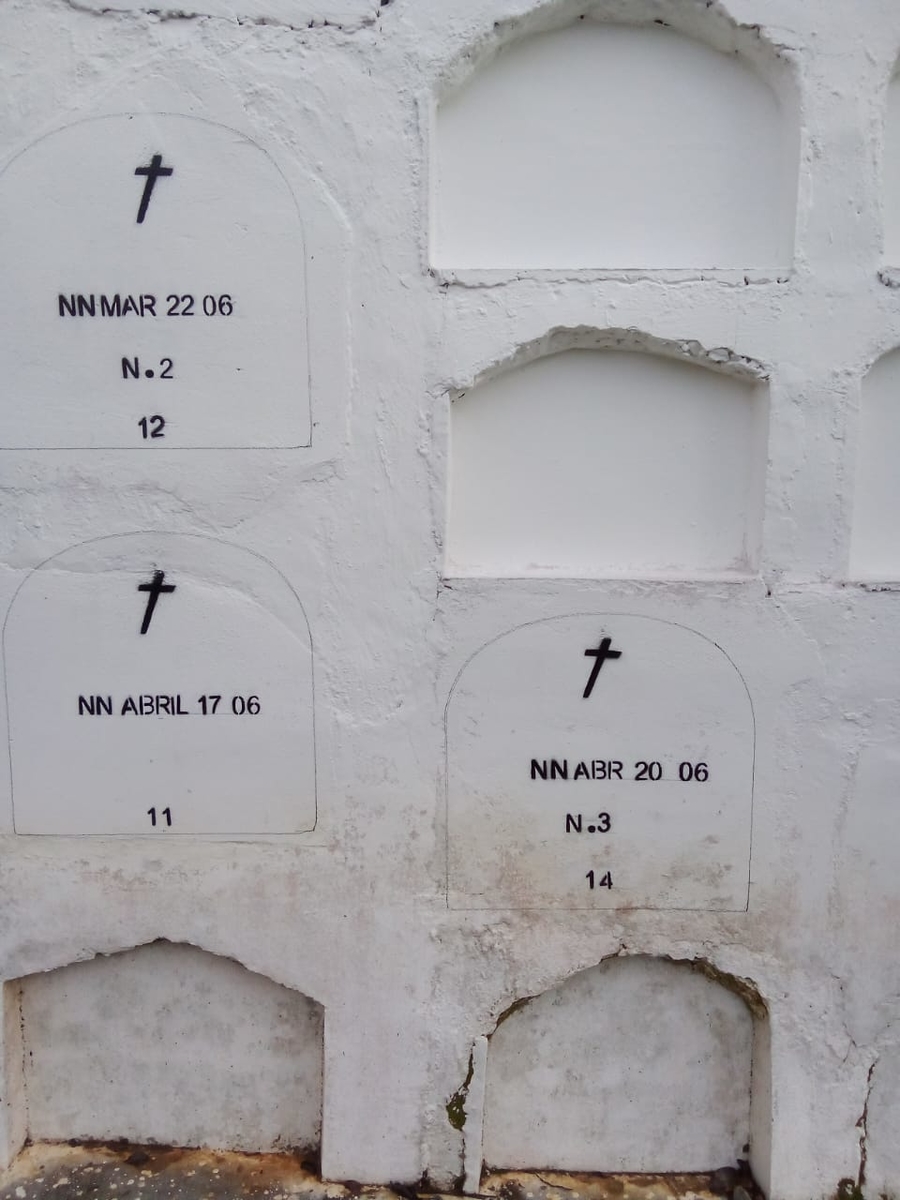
110	537
601	616
244	137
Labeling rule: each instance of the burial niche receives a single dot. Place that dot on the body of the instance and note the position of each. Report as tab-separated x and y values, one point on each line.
599	760
639	1064
610	145
876	505
607	462
173	676
154	290
891	173
170	1044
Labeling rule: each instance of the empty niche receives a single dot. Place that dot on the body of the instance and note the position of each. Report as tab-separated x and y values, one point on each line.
169	1044
638	1065
613	145
607	462
876	506
891	176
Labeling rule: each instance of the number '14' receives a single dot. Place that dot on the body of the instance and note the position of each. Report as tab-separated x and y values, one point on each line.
594	882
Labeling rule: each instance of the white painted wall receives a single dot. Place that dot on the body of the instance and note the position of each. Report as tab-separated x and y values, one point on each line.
169	1044
347	100
633	1045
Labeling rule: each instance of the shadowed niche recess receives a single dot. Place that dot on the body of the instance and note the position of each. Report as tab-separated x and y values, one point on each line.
874	551
592	463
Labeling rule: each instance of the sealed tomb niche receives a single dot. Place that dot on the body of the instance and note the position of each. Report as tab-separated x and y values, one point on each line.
599	760
167	1044
154	290
638	1064
874	552
173	676
594	463
607	145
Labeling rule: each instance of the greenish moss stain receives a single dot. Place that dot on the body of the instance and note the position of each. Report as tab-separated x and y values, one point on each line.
456	1105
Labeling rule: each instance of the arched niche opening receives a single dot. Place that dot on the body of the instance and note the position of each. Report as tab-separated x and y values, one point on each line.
605	144
163	1044
607	462
874	553
891	172
637	1065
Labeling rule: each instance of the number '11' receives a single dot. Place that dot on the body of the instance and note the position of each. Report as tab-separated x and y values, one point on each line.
166	812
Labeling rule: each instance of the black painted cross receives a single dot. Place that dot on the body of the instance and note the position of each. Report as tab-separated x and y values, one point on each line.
600	655
154	589
153	170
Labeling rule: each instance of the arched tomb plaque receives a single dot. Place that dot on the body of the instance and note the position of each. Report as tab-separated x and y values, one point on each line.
599	761
159	684
153	290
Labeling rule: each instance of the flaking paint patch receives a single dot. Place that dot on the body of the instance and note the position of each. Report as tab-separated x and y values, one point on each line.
348	17
629	340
